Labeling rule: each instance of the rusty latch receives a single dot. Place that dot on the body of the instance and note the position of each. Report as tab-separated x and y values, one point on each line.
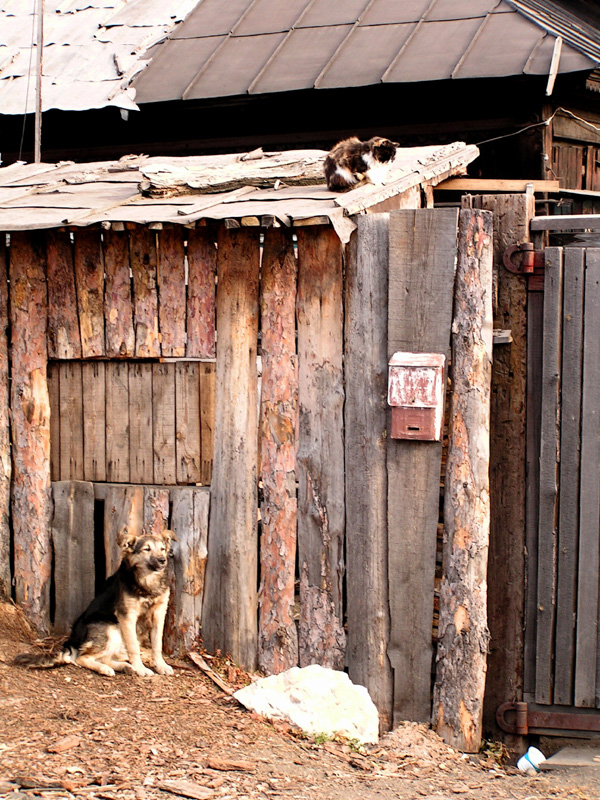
535	720
531	258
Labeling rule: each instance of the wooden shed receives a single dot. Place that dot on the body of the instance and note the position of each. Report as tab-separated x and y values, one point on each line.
203	343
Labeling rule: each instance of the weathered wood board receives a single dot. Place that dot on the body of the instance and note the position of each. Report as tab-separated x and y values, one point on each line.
141	453
64	338
71	421
321	501
187	421
201	298
171	291
163	423
118	306
94	420
117	422
123	508
230	609
5	457
89	281
143	261
73	543
277	635
421	280
365	422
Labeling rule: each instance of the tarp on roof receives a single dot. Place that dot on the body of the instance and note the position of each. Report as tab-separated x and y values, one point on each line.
257	46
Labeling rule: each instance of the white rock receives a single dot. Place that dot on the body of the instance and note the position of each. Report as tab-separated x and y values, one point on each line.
317	700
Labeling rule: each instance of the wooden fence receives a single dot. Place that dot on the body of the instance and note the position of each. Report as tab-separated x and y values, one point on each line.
320	540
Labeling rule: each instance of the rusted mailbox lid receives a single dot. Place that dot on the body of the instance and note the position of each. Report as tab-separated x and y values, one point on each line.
416	379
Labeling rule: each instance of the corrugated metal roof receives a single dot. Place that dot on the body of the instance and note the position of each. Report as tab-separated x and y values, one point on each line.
288	186
92	49
257	46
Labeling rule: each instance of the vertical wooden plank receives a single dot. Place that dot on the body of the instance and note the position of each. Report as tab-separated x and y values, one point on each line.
321	518
141	454
365	421
463	629
142	258
118	307
156	510
508	475
73	542
123	508
117	422
570	444
187	422
589	502
5	457
89	280
30	427
202	268
277	635
163	423
190	525
54	398
230	605
171	291
207	420
94	421
64	338
549	459
421	280
71	422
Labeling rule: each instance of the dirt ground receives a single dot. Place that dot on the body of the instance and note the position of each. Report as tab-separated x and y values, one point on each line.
69	733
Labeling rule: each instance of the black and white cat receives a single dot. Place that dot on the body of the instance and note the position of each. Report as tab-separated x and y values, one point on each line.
352	161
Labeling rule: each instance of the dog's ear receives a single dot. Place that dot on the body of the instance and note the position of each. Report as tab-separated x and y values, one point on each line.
169	536
126	540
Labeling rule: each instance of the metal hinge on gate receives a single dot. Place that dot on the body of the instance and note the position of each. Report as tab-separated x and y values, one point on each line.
529	261
536	720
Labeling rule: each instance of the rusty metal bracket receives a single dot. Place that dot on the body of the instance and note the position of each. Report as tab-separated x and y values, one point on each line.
535	720
531	258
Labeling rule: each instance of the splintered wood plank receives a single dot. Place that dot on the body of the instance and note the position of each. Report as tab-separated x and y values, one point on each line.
421	280
64	338
123	509
187	422
71	422
54	397
549	459
156	510
5	459
30	427
117	422
94	420
365	421
163	423
201	300
141	454
89	279
570	445
73	543
589	502
277	636
230	605
207	420
463	630
171	291
143	258
320	448
189	522
118	307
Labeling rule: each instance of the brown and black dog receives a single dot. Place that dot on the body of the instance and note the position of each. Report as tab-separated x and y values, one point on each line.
106	637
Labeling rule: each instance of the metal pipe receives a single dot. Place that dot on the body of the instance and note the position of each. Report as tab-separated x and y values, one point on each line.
38	106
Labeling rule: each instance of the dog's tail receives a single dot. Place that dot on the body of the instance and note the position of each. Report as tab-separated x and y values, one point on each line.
65	655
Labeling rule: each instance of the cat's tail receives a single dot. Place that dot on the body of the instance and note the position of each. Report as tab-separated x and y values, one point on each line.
66	655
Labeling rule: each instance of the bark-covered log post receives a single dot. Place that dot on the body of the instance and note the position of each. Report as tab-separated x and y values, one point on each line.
5	464
463	630
30	407
277	635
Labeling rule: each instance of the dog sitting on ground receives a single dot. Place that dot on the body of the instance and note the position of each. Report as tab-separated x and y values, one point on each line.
106	637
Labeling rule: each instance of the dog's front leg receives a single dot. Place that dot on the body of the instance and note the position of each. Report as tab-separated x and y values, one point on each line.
156	636
128	626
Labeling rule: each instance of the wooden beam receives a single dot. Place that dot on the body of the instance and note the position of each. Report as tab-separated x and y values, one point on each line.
201	296
365	421
64	338
277	635
171	291
229	616
5	455
492	185
30	410
143	258
463	632
566	222
321	513
422	258
118	306
89	280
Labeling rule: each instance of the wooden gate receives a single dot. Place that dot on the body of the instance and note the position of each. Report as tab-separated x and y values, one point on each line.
562	664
